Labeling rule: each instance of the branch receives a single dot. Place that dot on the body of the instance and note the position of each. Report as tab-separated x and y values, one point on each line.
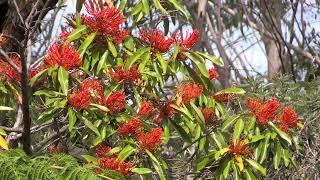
9	61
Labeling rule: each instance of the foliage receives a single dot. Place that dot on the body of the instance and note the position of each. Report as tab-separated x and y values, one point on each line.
132	96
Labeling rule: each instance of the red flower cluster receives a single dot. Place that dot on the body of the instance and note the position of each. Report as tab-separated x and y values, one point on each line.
151	140
166	109
145	109
64	35
156	40
121	75
7	72
113	163
239	148
63	55
106	21
263	111
102	150
116	102
189	41
189	91
208	114
130	128
213	73
223	97
287	119
90	90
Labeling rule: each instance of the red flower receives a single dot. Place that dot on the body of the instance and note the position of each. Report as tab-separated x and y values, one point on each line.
166	109
213	73
189	91
7	72
189	41
80	100
63	55
116	102
64	35
268	111
158	120
115	164
102	150
130	128
145	109
151	140
223	97
208	114
254	104
106	21
94	88
288	119
156	40
239	148
121	75
35	71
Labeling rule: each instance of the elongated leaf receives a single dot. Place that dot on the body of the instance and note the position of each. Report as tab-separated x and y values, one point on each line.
264	151
3	143
72	118
198	111
89	158
226	169
236	175
103	108
249	174
112	48
102	61
2	132
136	57
63	78
141	170
36	77
145	7
163	63
257	166
5	108
182	132
233	90
226	124
180	7
76	33
84	46
203	163
277	157
89	124
211	58
156	165
282	134
201	65
158	6
238	129
126	152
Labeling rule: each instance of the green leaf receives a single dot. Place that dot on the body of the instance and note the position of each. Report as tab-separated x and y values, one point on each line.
282	134
265	146
48	93
102	61
146	7
76	33
286	156
89	124
112	48
2	132
163	62
126	152
103	108
158	6
141	170
211	58
249	174
233	90
198	111
179	7
257	166
72	118
277	156
5	108
203	163
122	5
238	129
84	46
36	77
226	124
136	57
156	165
201	65
235	171
89	158
182	132
63	78
226	169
